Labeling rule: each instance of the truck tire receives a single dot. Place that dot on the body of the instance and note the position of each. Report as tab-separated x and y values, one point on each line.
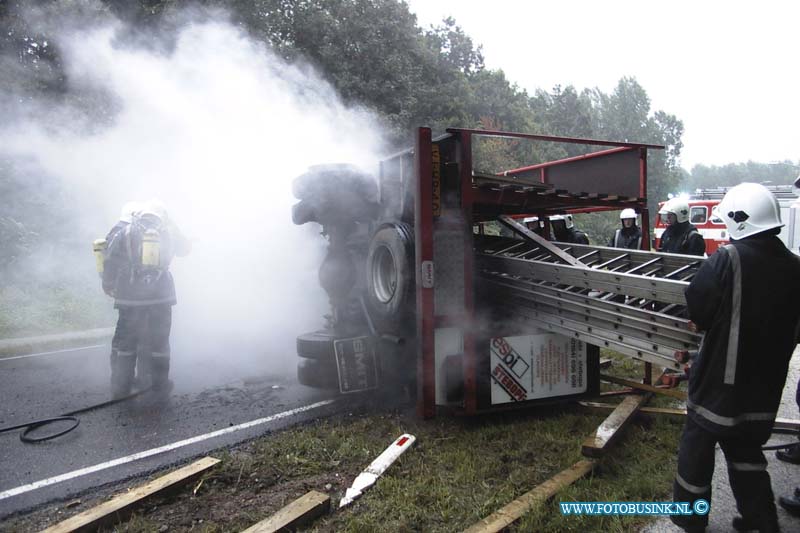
390	275
317	374
316	345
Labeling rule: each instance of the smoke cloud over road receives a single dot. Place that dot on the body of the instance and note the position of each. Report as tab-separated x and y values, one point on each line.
216	126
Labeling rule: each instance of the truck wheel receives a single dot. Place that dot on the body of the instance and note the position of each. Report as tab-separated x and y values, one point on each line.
317	374
316	345
390	272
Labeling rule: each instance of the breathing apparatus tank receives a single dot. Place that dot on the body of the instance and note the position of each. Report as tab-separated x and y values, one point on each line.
151	248
99	246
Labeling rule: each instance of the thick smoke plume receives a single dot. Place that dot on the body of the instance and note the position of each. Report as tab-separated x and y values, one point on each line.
216	126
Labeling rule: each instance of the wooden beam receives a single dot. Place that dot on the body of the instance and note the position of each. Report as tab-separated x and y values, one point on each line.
782	423
619	392
298	513
512	512
606	433
679	394
648	410
120	507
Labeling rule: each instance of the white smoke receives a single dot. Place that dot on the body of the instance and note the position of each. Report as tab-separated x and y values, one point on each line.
216	127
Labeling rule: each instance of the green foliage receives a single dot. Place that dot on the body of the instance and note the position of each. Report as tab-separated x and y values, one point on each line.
778	173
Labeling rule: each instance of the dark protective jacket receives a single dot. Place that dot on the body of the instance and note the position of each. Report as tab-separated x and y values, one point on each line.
745	297
572	235
127	281
630	238
682	238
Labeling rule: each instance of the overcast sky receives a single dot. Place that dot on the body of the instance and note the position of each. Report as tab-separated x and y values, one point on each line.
729	70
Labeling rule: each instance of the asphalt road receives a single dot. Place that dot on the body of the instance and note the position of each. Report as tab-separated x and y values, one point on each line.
218	390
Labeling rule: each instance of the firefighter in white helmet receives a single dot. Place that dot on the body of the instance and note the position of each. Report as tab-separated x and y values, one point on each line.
744	298
629	235
792	455
136	274
564	230
534	224
680	237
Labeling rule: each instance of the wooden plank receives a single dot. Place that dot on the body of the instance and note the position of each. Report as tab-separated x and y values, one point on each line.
606	433
782	423
298	513
121	506
512	512
619	392
648	410
679	394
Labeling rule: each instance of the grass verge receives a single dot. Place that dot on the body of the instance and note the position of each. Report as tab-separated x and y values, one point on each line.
52	307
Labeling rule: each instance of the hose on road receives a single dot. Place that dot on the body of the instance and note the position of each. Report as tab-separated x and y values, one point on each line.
70	417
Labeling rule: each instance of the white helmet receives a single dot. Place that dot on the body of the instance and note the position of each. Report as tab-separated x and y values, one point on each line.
568	223
748	209
154	207
126	215
627	213
677	206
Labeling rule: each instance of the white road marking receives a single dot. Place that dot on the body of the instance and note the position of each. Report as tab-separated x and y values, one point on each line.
51	353
155	451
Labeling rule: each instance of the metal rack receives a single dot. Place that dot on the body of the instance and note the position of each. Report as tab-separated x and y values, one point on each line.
628	300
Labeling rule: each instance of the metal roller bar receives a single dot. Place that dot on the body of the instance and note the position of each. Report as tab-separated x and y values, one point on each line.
492	245
655	318
522	318
634	337
676	334
633	285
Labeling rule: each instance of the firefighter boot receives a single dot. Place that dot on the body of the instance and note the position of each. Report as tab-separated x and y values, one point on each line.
762	526
791	503
790	455
687	524
123	365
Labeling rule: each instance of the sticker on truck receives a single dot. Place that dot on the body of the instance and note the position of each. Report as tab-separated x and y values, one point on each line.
531	367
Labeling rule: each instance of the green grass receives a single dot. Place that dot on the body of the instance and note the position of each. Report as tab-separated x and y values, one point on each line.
52	307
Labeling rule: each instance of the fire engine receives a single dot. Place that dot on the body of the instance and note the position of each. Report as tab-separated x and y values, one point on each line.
712	228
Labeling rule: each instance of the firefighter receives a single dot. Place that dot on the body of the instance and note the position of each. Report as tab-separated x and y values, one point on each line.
139	250
744	298
629	235
792	455
680	237
533	224
564	230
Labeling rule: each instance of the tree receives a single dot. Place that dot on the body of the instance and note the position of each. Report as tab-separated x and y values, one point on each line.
778	173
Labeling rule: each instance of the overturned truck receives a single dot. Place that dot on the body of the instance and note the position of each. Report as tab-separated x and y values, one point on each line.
423	296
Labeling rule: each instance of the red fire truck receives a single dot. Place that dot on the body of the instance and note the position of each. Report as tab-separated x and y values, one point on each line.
703	201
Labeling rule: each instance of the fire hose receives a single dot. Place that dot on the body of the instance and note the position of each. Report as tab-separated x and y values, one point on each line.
70	417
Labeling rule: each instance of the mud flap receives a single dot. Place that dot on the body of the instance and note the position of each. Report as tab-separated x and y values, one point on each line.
356	364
